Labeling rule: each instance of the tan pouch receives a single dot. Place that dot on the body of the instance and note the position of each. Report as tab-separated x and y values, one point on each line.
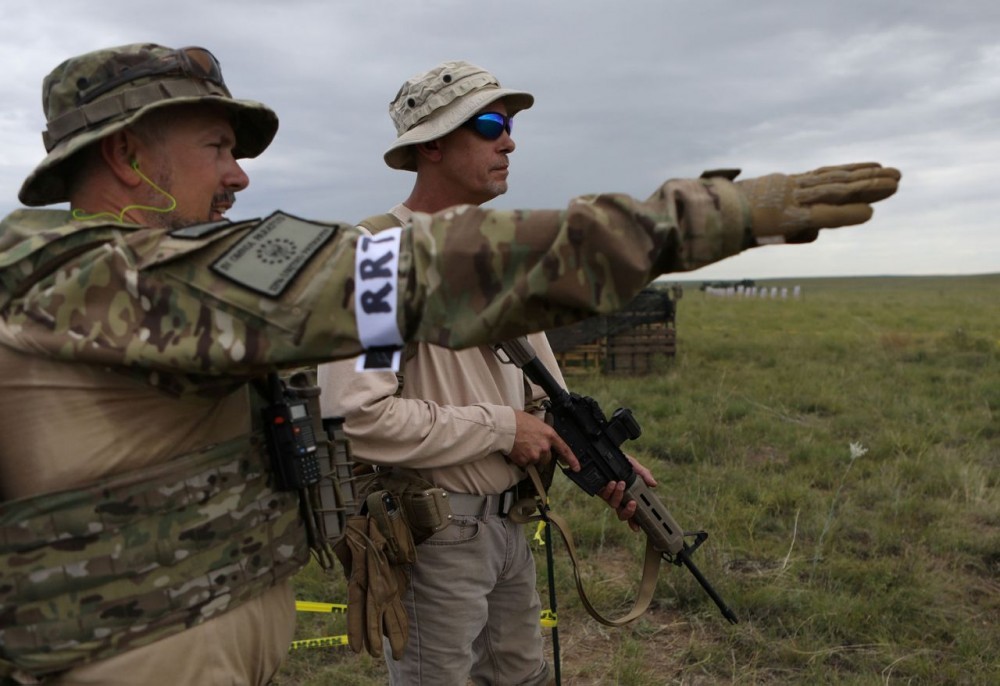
425	505
428	511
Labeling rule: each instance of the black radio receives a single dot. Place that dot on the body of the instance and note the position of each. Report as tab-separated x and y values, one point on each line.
292	443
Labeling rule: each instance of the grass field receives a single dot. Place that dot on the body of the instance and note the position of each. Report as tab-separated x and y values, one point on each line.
843	452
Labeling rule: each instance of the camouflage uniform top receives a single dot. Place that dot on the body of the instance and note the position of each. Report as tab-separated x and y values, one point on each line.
149	299
122	347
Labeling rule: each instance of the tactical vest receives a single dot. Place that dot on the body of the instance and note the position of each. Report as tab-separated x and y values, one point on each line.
92	572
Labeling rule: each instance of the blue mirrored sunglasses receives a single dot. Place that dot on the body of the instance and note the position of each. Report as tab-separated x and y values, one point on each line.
491	125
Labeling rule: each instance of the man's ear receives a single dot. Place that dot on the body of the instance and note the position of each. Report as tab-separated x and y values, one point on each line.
119	151
430	150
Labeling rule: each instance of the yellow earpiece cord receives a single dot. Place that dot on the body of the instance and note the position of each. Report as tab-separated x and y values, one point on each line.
80	215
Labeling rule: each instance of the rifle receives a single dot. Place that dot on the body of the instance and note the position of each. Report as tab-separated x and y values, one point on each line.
596	443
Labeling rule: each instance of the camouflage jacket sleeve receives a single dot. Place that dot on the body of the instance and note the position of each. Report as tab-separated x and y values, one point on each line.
534	270
234	300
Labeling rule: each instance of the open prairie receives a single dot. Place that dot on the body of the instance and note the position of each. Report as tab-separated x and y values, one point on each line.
843	451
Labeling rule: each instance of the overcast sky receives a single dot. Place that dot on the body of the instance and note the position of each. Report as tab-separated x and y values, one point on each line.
628	94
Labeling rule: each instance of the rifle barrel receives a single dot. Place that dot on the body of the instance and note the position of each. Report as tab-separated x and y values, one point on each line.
685	558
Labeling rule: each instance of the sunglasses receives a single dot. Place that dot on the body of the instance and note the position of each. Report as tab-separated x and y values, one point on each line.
490	125
198	63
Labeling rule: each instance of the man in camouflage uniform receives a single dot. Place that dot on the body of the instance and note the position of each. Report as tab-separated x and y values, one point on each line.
141	537
458	420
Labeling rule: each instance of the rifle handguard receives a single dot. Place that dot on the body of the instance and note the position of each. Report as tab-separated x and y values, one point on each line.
654	519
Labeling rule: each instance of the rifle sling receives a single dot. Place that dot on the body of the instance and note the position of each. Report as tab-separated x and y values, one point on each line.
650	565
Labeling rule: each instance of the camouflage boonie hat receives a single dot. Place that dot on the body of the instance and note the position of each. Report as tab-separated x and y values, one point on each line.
437	102
90	96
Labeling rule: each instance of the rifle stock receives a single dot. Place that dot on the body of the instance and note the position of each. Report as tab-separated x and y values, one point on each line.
596	443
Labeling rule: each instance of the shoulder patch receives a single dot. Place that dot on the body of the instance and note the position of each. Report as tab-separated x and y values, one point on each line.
269	258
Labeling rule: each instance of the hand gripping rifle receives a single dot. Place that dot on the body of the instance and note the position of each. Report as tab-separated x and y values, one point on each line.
596	443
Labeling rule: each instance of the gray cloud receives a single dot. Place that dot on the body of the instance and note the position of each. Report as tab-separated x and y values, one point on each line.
628	94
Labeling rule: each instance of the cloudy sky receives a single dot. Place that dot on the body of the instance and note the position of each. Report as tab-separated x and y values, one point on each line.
628	94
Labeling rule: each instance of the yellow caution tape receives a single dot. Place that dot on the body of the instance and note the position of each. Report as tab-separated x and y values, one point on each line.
549	620
310	606
324	642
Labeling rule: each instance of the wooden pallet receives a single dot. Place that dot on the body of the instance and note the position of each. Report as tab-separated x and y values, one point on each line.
582	359
639	350
630	341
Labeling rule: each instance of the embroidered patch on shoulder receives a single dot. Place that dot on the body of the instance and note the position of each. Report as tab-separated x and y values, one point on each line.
200	230
268	258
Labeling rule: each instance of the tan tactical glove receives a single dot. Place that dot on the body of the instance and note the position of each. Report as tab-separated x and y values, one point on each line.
792	208
374	590
352	551
384	609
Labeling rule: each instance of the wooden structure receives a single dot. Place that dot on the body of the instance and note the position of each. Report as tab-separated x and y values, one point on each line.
630	341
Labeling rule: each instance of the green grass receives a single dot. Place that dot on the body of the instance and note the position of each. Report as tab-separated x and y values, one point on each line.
880	569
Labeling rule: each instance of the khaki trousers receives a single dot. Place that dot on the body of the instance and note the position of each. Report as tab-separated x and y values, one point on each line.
473	609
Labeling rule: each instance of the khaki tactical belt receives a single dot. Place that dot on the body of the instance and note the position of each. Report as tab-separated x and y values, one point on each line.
497	505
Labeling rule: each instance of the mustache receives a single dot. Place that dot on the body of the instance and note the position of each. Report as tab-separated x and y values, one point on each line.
224	198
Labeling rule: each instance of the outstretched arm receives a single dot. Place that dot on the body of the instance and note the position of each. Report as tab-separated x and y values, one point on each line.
259	295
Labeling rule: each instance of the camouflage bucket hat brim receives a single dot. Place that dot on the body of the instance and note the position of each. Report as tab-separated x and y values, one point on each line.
91	96
437	102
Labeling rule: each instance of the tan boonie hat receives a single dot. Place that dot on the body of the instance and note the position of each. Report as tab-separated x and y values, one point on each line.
88	97
437	102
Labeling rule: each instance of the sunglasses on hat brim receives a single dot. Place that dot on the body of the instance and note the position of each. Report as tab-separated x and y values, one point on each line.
491	125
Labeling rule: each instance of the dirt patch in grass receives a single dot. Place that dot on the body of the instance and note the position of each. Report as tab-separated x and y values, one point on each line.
660	647
591	654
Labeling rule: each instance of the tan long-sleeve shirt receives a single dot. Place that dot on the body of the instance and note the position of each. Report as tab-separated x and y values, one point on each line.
453	420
